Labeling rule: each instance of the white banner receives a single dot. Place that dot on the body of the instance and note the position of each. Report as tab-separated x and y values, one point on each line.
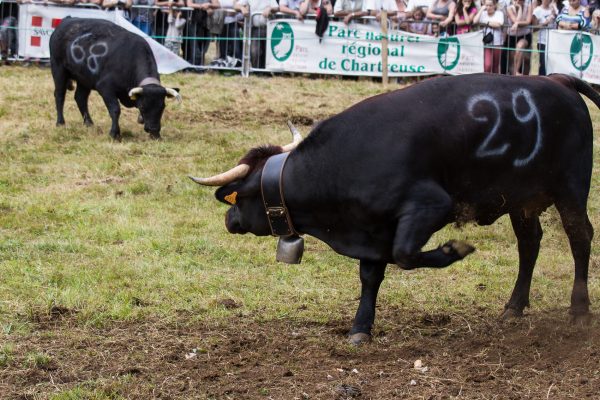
355	49
574	53
38	22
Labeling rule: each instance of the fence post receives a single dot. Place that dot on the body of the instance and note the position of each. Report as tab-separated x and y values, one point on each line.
246	46
384	48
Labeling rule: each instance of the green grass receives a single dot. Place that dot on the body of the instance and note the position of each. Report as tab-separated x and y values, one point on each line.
116	231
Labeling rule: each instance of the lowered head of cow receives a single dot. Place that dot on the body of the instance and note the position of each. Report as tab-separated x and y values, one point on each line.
240	188
150	100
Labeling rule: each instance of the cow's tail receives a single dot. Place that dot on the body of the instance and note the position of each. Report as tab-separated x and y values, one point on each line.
579	85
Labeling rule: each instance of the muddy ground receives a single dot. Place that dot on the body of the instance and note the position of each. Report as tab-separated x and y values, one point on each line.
476	356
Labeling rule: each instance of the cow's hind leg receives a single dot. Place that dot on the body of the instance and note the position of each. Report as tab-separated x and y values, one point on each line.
61	82
529	234
427	210
114	110
81	97
580	232
371	276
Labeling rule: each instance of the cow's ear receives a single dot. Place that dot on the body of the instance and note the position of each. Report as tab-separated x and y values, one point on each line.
228	194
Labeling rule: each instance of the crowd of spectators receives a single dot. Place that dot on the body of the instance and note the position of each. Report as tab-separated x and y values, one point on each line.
507	24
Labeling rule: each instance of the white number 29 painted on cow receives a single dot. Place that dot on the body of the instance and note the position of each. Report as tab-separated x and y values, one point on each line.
484	150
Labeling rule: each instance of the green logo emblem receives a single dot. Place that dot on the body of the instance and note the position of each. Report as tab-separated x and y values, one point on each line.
582	50
282	41
448	52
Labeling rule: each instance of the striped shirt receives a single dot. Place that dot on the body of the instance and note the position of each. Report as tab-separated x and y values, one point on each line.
578	18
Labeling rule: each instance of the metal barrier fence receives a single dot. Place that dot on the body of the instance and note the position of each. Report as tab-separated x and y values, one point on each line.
240	42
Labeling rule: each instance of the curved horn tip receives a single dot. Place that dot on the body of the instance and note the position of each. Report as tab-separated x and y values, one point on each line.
297	136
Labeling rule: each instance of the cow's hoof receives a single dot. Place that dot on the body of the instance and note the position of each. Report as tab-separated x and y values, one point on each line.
359	338
462	249
511	313
155	137
62	123
581	319
116	138
88	123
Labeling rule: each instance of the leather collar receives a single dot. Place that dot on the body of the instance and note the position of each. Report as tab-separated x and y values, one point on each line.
149	81
272	195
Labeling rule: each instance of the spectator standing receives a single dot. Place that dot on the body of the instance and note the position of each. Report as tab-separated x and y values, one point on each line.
93	2
229	40
291	7
174	37
442	13
123	5
413	4
573	17
349	10
493	19
595	23
544	16
142	17
197	45
258	32
418	25
520	38
465	13
311	7
401	14
374	8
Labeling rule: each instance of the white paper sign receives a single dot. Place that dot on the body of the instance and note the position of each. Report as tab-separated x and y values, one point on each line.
355	49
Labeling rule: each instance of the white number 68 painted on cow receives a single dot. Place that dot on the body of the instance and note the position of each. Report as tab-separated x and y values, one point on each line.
484	149
78	53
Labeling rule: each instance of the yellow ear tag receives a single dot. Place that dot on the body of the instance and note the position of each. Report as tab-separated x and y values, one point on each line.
231	198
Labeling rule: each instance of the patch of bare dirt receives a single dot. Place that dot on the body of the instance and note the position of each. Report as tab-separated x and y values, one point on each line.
541	356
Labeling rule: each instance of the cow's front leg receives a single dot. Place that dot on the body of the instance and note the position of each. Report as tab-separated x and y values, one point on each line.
114	110
428	208
529	234
371	276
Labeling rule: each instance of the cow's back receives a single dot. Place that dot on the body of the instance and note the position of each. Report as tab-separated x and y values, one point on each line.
91	49
471	134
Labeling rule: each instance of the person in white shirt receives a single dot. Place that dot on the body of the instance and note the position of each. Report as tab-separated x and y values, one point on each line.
258	33
493	20
349	10
291	7
374	8
544	15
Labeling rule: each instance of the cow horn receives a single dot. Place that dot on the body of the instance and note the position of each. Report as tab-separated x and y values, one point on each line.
233	174
297	138
173	93
133	93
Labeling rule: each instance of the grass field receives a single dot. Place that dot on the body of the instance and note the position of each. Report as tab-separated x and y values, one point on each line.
100	241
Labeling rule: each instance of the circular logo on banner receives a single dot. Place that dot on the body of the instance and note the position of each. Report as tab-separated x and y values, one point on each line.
582	50
282	41
448	52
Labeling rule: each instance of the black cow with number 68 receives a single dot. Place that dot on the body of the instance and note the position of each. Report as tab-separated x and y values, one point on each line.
100	55
376	181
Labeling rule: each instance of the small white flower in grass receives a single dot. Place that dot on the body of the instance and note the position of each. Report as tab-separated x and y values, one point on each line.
355	371
413	382
418	364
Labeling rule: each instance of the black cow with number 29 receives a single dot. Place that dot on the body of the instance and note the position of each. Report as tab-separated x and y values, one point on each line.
377	180
100	55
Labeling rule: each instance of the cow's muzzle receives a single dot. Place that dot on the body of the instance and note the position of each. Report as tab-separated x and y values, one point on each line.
232	222
153	131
